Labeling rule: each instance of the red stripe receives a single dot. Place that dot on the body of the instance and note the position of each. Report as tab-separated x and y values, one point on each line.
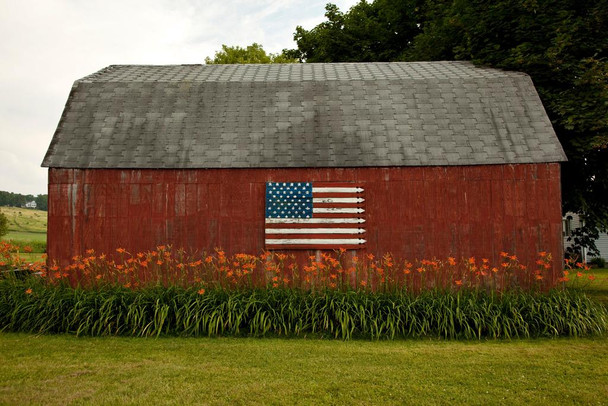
339	205
337	215
336	184
327	195
315	236
316	225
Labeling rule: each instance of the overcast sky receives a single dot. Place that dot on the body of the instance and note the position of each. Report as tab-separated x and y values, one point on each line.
45	45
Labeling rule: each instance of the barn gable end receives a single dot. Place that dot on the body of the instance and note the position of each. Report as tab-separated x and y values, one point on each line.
454	160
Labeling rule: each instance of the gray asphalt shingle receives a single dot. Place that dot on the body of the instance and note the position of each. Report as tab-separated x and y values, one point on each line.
302	115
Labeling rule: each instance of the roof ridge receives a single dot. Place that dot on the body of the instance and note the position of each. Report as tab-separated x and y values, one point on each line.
420	70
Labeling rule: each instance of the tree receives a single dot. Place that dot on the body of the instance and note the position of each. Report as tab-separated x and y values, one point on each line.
253	53
3	224
561	44
377	31
42	202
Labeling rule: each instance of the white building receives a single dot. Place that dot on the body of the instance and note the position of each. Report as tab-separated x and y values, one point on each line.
31	205
572	222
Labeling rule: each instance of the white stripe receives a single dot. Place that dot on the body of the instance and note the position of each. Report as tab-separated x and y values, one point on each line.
337	190
315	230
338	210
338	200
307	241
315	221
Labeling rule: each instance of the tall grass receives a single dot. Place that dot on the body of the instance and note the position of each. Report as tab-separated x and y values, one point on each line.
27	246
166	292
35	307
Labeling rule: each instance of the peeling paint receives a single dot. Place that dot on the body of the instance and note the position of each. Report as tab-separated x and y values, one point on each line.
421	212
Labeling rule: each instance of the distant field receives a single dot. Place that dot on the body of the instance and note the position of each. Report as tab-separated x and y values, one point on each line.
28	220
26	227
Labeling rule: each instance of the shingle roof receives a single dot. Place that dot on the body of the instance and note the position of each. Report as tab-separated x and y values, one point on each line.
302	115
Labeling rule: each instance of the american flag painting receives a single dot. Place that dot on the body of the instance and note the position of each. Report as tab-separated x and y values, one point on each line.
314	215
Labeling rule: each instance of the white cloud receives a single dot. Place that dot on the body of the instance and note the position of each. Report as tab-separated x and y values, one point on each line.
46	45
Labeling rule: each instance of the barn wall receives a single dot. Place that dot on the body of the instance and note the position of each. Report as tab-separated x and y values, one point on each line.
413	212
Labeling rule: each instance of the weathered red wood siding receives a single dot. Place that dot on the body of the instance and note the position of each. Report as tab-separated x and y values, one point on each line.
412	212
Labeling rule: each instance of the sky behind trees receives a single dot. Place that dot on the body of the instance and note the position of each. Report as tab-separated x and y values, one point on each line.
47	45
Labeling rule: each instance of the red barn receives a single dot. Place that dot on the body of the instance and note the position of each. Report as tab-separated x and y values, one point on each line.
418	159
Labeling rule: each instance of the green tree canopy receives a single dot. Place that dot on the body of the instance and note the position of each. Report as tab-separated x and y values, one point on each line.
253	53
369	32
561	44
42	202
19	200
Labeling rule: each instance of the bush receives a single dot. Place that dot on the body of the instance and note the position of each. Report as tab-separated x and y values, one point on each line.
597	262
35	306
28	246
3	224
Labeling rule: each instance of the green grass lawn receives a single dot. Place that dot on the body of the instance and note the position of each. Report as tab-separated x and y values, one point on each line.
598	289
25	236
66	369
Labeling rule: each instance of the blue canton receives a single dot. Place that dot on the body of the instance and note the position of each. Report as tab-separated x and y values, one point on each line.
289	200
